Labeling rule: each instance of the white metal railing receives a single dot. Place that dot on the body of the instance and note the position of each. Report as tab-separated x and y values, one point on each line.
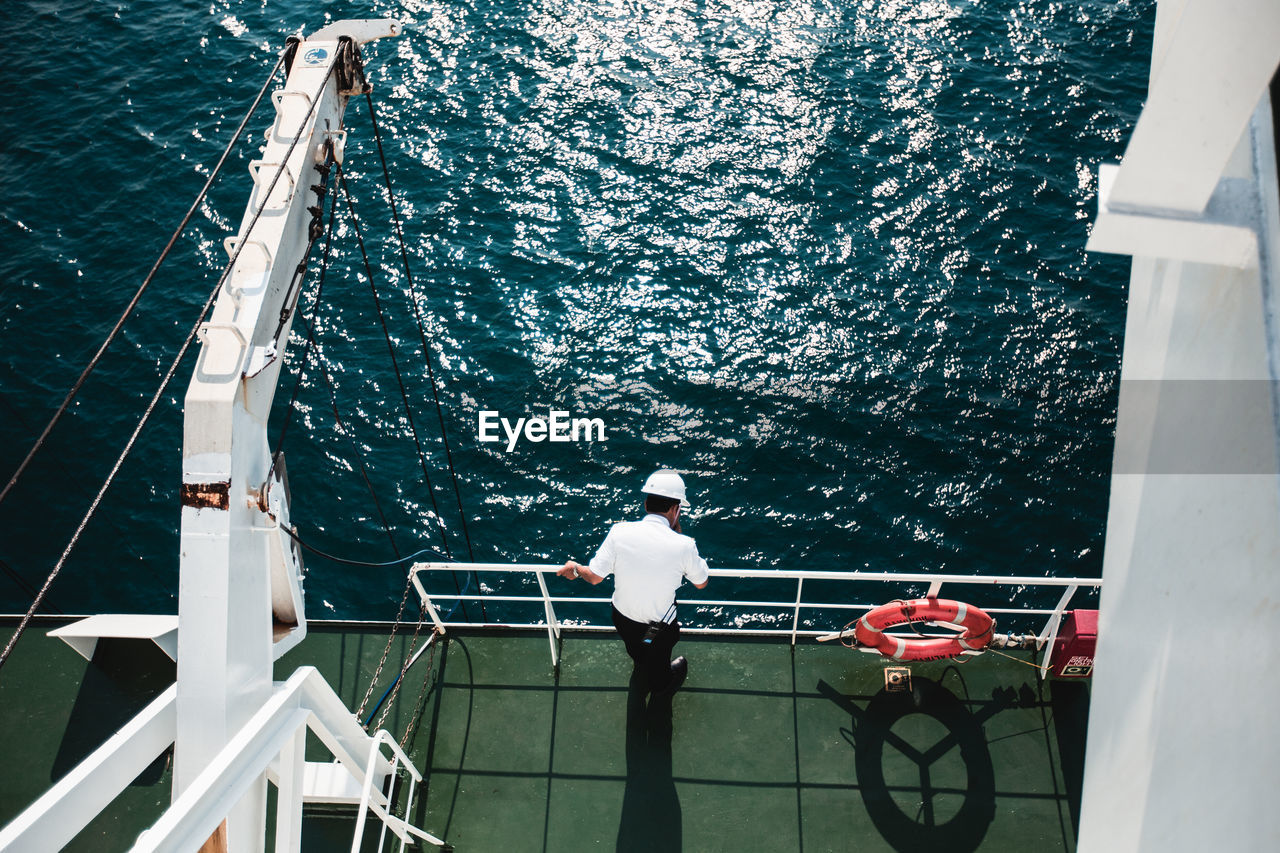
272	742
375	801
61	812
275	737
792	607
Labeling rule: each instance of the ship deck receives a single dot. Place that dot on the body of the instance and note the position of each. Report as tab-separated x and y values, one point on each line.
766	747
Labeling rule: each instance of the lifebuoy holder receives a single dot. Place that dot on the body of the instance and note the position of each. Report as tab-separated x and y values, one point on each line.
977	625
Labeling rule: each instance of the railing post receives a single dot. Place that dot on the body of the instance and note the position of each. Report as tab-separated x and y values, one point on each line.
366	791
408	812
289	793
426	601
391	805
1049	635
553	626
795	622
383	804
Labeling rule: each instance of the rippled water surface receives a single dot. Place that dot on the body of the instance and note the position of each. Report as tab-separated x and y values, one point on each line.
825	257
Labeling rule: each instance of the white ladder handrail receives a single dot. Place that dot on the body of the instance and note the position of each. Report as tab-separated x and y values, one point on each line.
381	804
270	739
305	700
61	812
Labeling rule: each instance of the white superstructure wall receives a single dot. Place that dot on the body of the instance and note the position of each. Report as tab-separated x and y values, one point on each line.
1182	752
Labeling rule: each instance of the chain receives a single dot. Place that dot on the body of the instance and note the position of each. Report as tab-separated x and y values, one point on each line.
408	659
422	693
395	626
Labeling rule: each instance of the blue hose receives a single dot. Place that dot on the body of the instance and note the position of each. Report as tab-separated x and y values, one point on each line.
396	681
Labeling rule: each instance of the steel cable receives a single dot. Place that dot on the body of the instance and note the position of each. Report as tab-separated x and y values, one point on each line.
422	334
395	364
164	383
146	282
292	532
313	348
422	460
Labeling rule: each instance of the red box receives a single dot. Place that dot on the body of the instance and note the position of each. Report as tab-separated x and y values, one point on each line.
1073	650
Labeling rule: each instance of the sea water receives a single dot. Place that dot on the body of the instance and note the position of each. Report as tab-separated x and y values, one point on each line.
825	258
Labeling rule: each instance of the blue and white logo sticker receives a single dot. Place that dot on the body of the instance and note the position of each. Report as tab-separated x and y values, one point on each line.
315	56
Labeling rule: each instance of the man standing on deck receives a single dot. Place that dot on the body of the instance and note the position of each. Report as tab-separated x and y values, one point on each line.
649	559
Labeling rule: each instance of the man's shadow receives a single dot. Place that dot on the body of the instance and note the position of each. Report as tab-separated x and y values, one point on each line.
651	819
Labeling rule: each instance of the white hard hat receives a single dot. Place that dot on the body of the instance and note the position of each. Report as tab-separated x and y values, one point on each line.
665	483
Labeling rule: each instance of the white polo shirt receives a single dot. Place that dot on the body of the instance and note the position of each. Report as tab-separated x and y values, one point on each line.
648	561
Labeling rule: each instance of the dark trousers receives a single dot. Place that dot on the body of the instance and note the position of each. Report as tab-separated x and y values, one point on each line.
654	659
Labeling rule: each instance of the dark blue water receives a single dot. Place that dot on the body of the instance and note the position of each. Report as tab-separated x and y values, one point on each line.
824	257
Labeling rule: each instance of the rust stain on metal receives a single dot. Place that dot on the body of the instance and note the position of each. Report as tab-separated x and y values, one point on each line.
206	495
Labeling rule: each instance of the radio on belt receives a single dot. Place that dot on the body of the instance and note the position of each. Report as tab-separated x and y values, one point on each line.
1073	650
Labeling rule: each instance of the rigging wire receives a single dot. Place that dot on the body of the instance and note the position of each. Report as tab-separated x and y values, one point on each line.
1014	658
404	396
22	582
417	315
313	347
146	282
343	189
395	365
411	658
115	469
164	382
392	690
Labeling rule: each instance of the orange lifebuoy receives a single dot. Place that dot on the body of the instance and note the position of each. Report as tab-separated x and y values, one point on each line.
869	630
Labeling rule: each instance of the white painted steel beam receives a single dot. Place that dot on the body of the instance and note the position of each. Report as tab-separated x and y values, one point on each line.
1216	58
1182	753
1185	189
52	821
1224	234
83	635
240	598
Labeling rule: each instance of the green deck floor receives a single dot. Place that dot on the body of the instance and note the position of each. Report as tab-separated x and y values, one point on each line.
764	748
767	750
56	708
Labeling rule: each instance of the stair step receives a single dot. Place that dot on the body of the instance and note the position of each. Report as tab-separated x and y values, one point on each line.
331	782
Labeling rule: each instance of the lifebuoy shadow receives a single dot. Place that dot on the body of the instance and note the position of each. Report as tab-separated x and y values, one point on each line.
872	734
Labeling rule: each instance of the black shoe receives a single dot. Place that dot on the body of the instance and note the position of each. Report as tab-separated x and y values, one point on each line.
679	672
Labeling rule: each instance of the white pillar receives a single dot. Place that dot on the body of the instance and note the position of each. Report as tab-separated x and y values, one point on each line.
225	590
